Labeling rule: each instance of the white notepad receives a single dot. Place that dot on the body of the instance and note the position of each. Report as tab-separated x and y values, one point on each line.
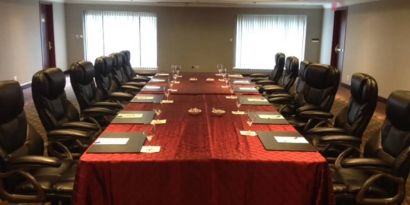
111	141
162	74
241	82
257	100
130	115
152	87
247	88
291	139
145	97
271	117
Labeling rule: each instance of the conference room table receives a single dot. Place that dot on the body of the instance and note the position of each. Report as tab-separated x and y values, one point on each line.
203	158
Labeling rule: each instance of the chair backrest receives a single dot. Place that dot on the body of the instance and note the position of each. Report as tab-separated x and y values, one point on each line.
117	69
392	144
290	73
103	75
50	99
278	69
355	117
82	80
129	72
17	138
319	89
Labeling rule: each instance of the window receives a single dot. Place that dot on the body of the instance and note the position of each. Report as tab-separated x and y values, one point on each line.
260	37
107	32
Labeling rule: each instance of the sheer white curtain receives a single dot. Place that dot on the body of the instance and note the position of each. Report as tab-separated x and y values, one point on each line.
107	32
260	37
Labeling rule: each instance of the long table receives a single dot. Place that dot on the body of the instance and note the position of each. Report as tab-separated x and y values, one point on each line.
203	160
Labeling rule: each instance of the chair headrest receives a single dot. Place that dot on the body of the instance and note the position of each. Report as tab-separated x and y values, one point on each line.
321	76
363	88
280	60
103	65
117	60
127	55
292	65
82	72
398	109
302	69
50	82
11	100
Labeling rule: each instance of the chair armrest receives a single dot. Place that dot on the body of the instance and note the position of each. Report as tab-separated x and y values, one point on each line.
59	150
140	79
278	95
273	89
30	161
80	125
340	138
265	82
259	75
315	114
346	154
281	100
367	163
130	88
98	111
135	84
307	107
121	96
39	194
67	134
323	131
111	105
396	199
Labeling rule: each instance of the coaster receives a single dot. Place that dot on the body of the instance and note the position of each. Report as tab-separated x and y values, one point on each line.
167	101
159	122
248	133
238	112
231	97
150	149
225	86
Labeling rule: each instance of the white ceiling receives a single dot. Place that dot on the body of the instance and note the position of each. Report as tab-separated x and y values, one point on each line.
272	3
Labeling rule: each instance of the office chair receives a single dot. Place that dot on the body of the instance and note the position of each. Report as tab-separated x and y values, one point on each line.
285	81
127	55
379	176
119	74
352	120
273	77
129	71
57	112
27	175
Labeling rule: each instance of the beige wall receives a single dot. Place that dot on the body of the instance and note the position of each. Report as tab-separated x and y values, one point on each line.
59	35
20	45
191	36
377	43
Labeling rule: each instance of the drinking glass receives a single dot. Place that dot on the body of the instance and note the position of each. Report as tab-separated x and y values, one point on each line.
219	67
166	93
150	133
178	69
157	110
249	122
238	105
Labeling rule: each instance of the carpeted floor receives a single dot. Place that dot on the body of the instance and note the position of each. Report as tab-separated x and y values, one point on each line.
341	100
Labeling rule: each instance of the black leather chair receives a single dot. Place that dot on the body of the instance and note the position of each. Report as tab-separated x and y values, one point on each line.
379	176
106	83
273	77
317	94
27	175
86	92
127	55
129	71
119	74
57	112
287	79
351	120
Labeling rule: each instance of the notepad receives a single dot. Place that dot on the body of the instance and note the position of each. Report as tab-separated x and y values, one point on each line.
291	139
271	117
145	97
257	100
241	82
152	87
235	76
111	141
247	88
162	74
157	80
130	115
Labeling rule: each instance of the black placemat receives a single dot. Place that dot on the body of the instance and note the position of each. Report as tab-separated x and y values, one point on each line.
253	100
270	143
147	98
245	89
133	145
276	121
146	118
153	88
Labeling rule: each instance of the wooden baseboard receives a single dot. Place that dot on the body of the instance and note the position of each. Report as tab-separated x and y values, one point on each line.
379	98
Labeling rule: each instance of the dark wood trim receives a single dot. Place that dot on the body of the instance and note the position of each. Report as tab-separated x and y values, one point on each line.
379	98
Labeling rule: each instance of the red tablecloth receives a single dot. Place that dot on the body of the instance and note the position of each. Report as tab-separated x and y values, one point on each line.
203	160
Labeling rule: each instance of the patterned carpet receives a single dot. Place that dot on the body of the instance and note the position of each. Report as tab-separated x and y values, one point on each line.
340	101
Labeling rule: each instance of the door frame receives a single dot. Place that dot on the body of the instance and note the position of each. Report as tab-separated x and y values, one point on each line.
47	35
340	20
